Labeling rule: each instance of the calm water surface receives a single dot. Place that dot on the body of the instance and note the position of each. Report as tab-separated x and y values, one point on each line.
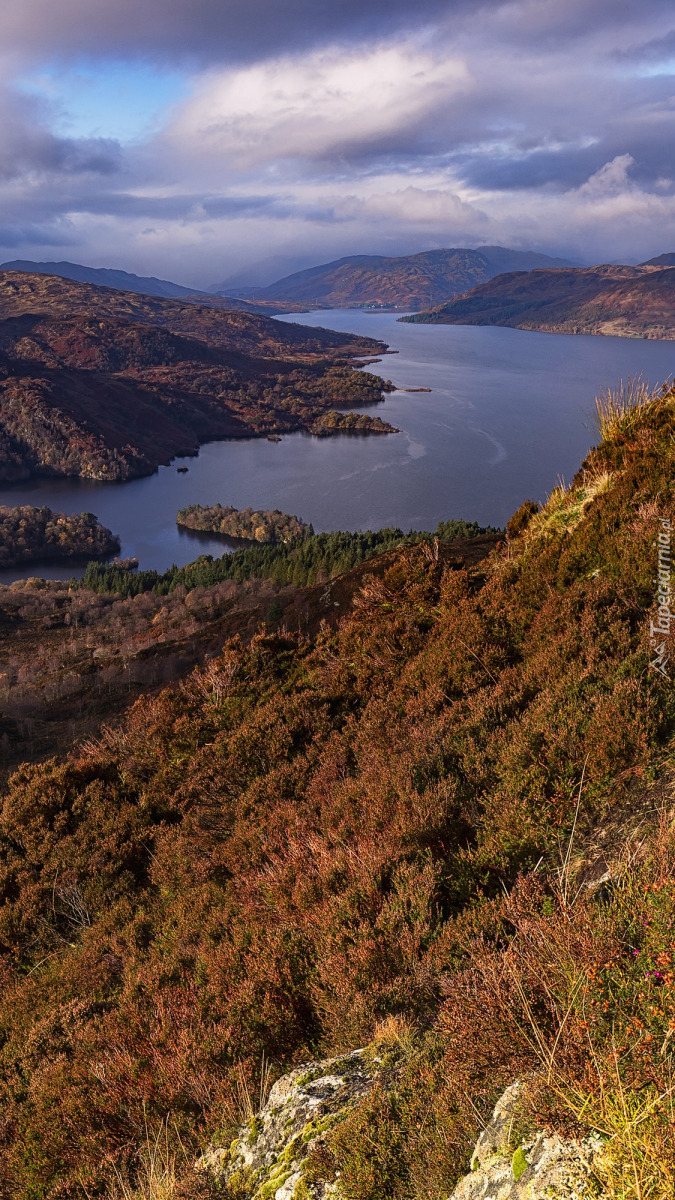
508	415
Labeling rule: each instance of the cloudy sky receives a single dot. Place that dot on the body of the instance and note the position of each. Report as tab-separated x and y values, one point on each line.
192	138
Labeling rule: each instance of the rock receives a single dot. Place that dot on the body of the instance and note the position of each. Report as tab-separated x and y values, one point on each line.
538	1168
269	1158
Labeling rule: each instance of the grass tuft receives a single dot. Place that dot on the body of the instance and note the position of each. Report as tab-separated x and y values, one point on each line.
616	409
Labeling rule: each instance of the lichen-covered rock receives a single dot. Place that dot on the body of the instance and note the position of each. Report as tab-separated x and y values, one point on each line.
535	1168
269	1158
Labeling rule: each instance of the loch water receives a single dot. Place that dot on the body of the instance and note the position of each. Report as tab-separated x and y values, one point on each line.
509	414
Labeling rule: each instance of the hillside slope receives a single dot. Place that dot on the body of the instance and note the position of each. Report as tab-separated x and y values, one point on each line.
365	836
107	384
102	276
411	282
615	301
126	281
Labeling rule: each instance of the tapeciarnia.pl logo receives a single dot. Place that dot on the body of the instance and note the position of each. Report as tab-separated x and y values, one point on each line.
659	631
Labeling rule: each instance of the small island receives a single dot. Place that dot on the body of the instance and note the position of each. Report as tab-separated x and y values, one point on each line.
29	534
336	422
245	524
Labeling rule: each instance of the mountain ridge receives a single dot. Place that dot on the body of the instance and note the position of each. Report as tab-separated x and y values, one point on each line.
618	301
126	281
407	281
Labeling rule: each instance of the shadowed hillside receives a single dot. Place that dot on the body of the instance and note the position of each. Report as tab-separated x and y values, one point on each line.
390	830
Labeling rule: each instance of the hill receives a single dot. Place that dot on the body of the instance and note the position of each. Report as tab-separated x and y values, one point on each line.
108	384
143	285
437	824
612	300
102	276
662	260
411	282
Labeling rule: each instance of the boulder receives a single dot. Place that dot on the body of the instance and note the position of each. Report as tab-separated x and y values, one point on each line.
540	1167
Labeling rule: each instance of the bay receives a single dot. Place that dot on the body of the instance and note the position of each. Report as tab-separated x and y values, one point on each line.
508	416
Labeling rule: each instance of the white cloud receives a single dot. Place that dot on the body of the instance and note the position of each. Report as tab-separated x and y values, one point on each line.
610	180
324	105
441	208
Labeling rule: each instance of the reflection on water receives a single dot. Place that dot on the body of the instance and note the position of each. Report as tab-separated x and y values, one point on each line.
506	417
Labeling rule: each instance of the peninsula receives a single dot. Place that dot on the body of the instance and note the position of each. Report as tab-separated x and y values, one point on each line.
616	301
107	384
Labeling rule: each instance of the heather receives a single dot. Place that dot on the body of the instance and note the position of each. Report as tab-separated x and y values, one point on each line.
395	827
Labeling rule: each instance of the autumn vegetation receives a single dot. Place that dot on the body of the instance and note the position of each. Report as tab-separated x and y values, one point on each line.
441	819
338	422
30	534
248	524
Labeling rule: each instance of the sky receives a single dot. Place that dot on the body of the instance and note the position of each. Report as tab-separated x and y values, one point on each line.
197	139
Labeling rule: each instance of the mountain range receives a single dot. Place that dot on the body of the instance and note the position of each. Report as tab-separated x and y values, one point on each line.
489	286
617	301
410	282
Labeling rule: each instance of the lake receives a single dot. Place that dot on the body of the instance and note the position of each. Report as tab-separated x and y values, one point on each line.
508	416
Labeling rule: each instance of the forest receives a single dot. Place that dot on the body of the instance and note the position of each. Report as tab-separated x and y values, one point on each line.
316	559
247	523
30	534
436	820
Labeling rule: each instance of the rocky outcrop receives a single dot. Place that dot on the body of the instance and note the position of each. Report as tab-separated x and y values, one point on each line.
270	1157
540	1167
274	1156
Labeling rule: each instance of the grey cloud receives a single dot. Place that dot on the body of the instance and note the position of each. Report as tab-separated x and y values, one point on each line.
547	103
210	30
28	145
239	30
657	50
12	236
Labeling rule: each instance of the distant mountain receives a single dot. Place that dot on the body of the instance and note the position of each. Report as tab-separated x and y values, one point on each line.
411	282
248	281
501	259
663	260
103	277
144	285
619	301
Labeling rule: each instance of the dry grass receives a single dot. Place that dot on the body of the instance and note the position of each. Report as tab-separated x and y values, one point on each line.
636	1128
394	1032
616	408
565	507
157	1177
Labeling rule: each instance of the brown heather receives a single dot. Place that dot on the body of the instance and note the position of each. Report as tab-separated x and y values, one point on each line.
383	831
